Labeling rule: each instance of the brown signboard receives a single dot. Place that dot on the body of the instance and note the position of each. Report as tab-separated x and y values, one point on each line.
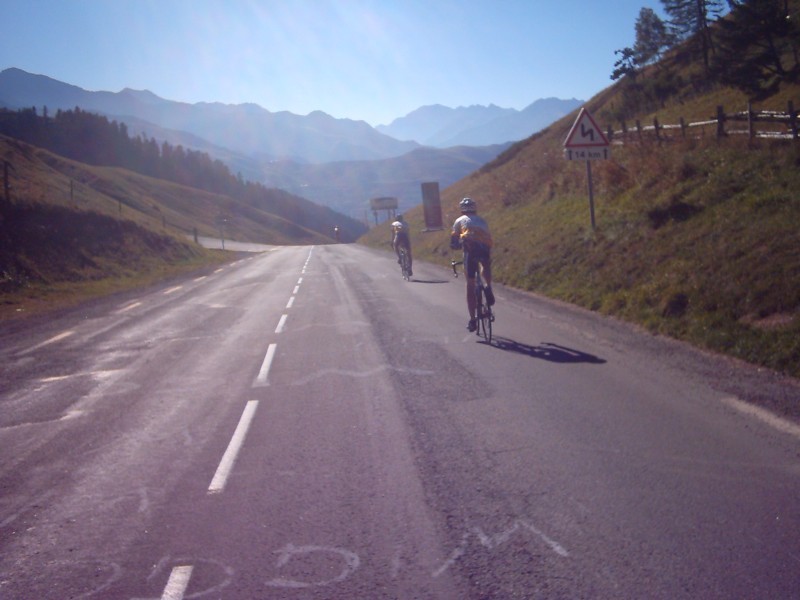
432	205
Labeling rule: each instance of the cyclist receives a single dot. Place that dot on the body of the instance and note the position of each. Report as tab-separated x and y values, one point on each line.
400	238
471	233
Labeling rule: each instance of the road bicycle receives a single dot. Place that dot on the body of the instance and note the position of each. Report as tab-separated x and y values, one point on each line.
483	312
405	266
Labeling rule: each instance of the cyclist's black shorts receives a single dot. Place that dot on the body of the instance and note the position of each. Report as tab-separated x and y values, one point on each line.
401	239
474	255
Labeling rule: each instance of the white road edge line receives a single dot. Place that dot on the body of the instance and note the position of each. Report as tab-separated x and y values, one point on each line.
281	323
261	378
129	307
52	340
226	464
763	415
178	582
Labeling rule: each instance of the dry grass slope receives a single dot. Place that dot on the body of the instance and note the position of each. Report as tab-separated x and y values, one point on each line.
73	231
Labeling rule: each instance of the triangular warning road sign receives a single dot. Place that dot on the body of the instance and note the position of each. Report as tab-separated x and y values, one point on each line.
585	133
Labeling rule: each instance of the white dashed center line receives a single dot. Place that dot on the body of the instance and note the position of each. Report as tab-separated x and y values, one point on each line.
226	464
177	584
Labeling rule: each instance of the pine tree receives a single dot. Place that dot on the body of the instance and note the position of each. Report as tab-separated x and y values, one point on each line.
625	64
651	37
690	20
756	45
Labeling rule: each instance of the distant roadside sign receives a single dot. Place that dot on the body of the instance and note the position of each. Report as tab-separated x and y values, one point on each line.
384	203
585	140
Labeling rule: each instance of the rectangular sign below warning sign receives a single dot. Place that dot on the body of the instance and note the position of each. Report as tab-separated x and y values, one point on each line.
586	153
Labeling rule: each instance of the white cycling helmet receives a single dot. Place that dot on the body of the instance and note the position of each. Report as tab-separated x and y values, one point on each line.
467	205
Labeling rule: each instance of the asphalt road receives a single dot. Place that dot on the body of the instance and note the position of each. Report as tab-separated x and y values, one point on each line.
303	423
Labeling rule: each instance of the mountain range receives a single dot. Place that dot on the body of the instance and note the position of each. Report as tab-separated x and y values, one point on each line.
444	127
340	163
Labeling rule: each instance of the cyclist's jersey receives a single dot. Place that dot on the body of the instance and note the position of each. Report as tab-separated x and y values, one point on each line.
471	229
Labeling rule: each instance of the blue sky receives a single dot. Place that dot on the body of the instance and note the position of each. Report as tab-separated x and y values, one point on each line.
372	60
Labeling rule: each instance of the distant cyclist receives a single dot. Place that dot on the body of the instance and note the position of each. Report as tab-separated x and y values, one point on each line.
471	233
400	238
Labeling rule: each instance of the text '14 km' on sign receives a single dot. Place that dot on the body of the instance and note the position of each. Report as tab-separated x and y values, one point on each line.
585	141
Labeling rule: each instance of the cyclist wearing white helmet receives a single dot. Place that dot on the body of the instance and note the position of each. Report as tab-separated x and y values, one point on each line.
400	238
471	233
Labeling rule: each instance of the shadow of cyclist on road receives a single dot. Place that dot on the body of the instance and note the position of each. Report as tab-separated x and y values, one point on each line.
547	351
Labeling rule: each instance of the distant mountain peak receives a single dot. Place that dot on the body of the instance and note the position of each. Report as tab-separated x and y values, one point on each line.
145	96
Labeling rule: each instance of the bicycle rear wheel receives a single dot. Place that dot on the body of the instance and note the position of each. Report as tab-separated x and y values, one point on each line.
485	323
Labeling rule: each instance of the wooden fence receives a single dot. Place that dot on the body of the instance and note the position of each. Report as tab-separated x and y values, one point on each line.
783	126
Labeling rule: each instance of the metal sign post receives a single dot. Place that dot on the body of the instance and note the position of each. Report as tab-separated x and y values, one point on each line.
586	141
591	191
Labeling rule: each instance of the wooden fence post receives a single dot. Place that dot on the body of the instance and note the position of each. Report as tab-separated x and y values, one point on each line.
720	122
683	128
639	129
610	133
750	132
655	126
624	131
792	119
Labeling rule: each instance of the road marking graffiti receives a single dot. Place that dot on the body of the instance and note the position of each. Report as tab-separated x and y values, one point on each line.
350	563
366	373
493	541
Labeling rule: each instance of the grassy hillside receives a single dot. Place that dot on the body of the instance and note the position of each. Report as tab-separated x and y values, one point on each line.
697	239
72	231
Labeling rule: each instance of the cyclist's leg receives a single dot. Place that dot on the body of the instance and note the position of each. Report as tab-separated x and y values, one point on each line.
486	271
470	271
472	304
396	247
